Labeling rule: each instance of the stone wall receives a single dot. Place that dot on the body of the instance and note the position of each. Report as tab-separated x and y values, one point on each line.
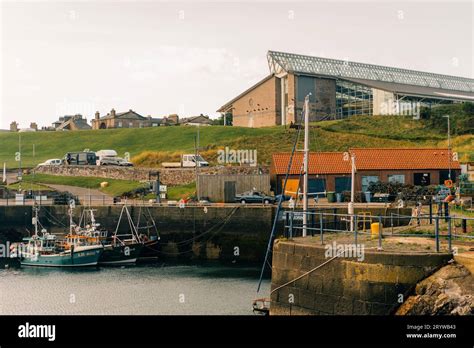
168	176
345	286
206	233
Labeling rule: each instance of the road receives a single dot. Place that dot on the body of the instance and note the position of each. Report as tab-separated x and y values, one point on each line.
85	195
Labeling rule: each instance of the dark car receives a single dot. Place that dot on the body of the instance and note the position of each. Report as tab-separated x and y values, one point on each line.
254	197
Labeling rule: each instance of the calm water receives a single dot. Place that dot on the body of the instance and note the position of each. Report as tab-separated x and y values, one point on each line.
146	289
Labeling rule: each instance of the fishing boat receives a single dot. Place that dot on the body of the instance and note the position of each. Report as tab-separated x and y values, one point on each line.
46	250
149	236
119	248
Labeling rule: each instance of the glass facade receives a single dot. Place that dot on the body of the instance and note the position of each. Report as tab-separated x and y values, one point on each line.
353	99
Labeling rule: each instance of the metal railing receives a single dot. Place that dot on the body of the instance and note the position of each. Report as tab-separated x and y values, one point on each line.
438	227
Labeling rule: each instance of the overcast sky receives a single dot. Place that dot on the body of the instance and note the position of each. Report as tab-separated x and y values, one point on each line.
157	58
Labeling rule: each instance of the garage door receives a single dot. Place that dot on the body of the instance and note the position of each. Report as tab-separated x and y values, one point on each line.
316	186
343	183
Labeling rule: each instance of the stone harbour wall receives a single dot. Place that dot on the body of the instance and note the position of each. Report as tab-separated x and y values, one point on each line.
168	176
345	286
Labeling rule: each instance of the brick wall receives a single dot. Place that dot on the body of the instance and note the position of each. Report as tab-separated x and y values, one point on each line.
260	107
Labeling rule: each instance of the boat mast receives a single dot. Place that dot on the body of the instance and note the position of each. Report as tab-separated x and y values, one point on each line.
36	220
305	164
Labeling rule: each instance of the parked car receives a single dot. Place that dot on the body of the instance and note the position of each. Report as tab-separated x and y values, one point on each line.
51	162
115	161
254	197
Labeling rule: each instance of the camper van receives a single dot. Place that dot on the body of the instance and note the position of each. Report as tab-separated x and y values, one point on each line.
110	158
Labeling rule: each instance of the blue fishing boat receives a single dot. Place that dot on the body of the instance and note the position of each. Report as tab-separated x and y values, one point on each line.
46	250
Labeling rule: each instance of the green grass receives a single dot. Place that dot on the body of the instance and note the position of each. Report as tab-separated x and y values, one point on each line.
176	192
182	191
169	142
115	188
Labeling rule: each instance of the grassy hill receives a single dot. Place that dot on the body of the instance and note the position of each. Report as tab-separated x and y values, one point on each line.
151	146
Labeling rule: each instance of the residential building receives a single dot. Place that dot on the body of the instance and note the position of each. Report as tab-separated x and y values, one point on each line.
127	119
71	122
201	120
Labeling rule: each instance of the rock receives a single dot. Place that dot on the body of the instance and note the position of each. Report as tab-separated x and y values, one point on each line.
449	291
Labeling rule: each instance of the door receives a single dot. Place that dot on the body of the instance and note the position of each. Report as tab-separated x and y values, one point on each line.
444	175
316	186
343	183
421	179
292	186
229	191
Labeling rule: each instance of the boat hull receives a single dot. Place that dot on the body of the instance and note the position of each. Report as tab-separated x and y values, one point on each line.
77	258
119	255
150	250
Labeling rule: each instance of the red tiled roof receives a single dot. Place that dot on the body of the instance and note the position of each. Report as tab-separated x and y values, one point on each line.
366	159
319	163
411	158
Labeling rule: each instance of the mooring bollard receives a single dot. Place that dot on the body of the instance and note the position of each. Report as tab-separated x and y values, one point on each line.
437	233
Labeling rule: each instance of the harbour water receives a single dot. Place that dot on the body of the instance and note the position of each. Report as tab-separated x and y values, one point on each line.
152	289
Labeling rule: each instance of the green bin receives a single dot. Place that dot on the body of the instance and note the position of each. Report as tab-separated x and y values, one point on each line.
331	197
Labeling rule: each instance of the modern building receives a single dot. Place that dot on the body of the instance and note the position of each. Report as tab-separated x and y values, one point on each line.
331	171
339	89
127	119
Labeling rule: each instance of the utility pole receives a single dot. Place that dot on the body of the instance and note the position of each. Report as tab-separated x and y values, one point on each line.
196	161
449	146
305	165
20	176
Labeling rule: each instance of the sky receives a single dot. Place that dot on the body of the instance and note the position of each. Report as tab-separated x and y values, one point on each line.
190	57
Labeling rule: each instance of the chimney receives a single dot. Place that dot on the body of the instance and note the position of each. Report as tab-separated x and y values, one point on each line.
97	115
112	112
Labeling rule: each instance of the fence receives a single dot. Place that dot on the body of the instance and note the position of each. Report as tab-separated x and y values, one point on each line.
319	223
102	200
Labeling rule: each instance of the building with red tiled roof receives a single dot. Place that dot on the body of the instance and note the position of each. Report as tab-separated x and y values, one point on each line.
331	171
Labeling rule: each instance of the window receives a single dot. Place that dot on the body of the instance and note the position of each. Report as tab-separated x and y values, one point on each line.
154	124
120	124
130	124
396	178
367	180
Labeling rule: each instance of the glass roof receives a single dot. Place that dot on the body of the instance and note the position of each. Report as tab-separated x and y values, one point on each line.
281	62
